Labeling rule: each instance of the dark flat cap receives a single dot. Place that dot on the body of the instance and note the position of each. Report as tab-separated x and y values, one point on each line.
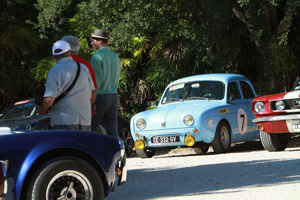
100	33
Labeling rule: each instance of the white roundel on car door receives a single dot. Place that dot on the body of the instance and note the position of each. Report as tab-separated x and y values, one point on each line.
242	121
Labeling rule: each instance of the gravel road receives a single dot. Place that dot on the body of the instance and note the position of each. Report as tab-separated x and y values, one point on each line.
248	172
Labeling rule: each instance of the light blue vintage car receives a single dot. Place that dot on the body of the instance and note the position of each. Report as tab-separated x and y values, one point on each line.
198	111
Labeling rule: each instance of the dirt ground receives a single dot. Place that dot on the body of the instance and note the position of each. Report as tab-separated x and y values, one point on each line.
247	172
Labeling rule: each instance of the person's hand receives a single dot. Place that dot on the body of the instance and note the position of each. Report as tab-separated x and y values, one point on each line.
41	111
94	109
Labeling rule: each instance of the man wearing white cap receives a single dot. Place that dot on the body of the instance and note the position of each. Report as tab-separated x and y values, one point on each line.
75	46
73	111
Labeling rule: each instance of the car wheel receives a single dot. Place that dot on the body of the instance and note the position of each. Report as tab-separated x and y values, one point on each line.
65	178
201	148
274	141
125	135
145	153
222	140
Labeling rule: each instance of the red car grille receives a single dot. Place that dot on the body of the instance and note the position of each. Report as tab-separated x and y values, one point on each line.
289	104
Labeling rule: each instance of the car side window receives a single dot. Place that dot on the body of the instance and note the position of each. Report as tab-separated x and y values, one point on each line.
247	90
233	91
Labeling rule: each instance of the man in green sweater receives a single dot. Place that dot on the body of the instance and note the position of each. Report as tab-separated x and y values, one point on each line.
107	68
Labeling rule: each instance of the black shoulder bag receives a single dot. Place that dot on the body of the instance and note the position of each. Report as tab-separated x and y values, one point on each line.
39	99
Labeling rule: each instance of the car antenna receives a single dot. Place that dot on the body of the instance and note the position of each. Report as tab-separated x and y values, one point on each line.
284	83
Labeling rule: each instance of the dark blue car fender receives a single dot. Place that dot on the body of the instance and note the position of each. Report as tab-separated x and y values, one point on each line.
38	150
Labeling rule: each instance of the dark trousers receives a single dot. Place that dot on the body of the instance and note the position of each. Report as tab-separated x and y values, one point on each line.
107	107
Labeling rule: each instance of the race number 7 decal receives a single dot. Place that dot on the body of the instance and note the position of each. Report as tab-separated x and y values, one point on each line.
242	121
243	116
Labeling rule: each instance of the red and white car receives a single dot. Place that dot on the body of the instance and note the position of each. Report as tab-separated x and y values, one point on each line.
278	117
3	183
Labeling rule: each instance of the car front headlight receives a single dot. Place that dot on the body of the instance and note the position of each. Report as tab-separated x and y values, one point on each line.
188	120
141	123
280	105
259	107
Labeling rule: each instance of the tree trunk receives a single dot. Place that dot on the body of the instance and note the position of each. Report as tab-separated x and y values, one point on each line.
270	29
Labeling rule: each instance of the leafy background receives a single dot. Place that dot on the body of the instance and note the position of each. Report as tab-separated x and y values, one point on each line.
158	41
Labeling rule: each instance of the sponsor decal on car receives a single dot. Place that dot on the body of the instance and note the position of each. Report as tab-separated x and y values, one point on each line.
223	111
176	87
210	123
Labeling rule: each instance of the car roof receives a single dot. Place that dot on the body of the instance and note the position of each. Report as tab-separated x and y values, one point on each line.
211	77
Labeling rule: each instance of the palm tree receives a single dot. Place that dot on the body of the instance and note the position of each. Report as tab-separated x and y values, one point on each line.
19	45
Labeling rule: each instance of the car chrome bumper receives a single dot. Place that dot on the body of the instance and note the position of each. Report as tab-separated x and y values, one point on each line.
122	165
123	176
277	118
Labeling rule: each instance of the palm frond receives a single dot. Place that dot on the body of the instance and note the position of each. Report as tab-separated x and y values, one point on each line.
140	40
22	79
43	67
17	41
126	63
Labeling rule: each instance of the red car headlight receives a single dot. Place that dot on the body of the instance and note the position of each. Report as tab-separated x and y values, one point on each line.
280	105
259	107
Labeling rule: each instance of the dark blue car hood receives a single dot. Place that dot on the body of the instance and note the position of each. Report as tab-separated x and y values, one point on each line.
19	121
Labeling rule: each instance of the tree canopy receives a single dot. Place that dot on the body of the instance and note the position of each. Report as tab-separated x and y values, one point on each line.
159	41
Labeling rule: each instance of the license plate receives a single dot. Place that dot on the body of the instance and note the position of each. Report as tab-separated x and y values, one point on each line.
297	127
165	139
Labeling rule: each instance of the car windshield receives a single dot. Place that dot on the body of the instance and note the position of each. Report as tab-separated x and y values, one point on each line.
200	90
19	109
297	84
